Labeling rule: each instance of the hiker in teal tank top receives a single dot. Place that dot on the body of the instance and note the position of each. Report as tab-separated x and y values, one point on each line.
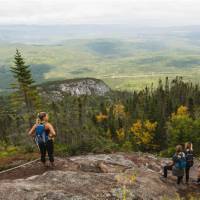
177	166
44	134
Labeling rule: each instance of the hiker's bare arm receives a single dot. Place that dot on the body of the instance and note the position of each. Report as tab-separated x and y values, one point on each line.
32	131
52	131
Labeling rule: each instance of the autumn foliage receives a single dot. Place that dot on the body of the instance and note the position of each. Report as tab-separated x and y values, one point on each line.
143	132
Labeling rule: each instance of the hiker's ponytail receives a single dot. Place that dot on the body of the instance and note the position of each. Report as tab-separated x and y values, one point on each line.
189	146
40	117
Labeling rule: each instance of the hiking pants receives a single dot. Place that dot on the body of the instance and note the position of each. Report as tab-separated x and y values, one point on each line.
179	179
166	168
47	147
187	174
169	167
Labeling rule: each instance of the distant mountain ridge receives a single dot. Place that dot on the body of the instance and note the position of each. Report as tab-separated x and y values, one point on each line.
124	56
56	34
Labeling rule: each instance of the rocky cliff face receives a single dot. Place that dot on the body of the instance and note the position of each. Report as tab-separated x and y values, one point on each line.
102	177
74	87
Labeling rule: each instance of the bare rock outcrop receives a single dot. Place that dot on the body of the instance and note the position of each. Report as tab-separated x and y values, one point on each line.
76	87
104	177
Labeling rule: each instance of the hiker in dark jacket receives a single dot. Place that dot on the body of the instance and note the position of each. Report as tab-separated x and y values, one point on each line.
44	134
189	160
177	166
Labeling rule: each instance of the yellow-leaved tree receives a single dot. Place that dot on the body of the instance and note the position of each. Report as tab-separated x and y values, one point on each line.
143	132
182	112
181	127
101	117
120	134
119	110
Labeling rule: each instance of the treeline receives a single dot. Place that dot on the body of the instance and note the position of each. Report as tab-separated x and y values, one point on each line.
154	119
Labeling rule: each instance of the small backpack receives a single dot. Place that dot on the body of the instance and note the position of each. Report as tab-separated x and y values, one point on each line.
40	136
180	162
189	158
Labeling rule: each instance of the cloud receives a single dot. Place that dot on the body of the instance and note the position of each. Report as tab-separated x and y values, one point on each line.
136	12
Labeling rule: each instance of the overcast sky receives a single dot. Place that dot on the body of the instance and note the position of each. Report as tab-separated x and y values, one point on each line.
135	12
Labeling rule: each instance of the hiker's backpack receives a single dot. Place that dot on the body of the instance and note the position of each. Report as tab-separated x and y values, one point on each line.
179	165
180	162
189	158
41	136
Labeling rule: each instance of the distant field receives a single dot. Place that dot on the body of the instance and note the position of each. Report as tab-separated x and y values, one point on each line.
122	63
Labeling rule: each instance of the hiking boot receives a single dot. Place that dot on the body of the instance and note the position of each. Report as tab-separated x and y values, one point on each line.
180	183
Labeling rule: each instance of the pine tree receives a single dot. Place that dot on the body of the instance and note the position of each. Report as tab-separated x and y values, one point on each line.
25	93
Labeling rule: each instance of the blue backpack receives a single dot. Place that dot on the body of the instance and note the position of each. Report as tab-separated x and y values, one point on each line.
180	162
41	135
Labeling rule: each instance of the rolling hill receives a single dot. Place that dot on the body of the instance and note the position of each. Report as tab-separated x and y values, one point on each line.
123	56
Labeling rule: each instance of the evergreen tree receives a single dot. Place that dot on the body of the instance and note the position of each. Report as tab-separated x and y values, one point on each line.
25	93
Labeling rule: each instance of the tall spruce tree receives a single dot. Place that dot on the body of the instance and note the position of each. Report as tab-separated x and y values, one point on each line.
25	97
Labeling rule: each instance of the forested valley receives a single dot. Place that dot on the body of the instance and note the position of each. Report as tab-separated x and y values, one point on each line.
153	119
